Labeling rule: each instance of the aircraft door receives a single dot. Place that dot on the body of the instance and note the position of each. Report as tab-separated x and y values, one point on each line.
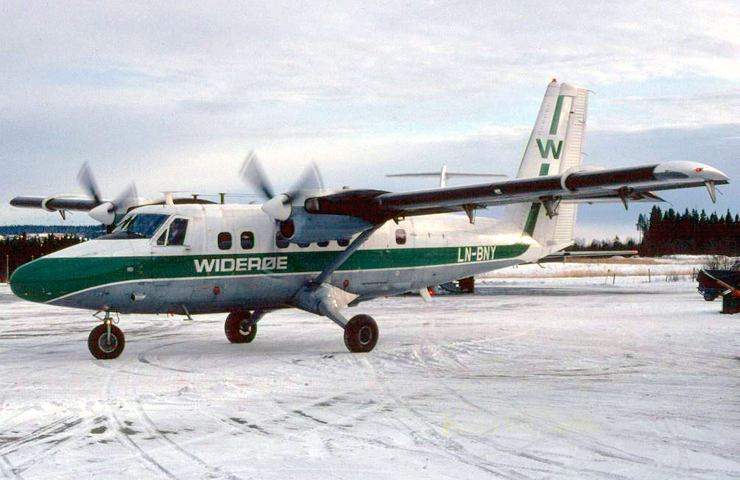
170	258
404	236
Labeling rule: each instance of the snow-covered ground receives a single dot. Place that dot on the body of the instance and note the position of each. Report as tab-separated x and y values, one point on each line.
658	269
529	378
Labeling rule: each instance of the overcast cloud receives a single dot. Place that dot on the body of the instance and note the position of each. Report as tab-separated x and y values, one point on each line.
173	95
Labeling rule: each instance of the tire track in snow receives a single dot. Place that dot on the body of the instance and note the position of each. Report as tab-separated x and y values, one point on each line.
50	439
156	432
432	437
125	439
7	470
450	353
120	429
587	442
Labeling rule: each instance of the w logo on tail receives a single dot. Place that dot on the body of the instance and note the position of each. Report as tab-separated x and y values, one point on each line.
550	147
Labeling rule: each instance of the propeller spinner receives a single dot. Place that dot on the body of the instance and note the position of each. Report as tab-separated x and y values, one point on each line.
279	207
105	212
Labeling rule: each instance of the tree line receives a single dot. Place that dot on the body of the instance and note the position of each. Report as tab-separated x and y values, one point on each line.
672	233
15	251
689	233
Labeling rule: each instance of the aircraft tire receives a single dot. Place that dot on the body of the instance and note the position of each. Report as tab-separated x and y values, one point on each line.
238	329
361	334
104	348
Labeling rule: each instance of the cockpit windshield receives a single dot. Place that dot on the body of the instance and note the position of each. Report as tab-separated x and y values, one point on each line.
142	225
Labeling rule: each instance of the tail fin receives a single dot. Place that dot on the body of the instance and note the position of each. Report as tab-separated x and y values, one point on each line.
555	145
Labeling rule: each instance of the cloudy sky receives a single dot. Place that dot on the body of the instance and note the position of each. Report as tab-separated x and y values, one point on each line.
173	95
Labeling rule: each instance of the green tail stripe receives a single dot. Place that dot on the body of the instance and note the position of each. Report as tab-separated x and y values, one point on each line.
534	211
556	117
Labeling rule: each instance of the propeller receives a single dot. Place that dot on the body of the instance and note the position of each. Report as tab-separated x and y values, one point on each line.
104	212
279	207
88	183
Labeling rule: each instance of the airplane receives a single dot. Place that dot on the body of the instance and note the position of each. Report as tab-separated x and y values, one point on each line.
322	250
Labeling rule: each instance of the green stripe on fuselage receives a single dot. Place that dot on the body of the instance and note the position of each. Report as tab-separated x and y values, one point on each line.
49	278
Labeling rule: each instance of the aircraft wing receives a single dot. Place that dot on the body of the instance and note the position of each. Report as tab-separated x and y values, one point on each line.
51	204
582	186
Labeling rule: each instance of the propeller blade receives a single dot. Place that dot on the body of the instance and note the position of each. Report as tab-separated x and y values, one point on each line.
254	175
88	183
125	198
309	179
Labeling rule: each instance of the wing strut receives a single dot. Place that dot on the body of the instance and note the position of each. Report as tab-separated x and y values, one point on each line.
344	256
322	298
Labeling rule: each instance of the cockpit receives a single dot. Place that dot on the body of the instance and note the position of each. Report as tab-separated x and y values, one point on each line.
137	226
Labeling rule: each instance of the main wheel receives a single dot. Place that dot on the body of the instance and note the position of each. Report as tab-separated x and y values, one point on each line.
239	328
104	346
361	334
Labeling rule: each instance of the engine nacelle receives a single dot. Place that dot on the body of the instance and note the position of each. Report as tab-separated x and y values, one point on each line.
306	228
573	170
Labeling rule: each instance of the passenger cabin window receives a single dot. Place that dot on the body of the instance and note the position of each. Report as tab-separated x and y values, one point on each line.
247	240
224	241
281	241
323	244
343	242
401	236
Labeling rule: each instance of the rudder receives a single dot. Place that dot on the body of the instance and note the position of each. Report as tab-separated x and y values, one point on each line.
555	145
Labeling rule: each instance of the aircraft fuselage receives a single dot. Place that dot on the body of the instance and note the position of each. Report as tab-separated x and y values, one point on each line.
230	260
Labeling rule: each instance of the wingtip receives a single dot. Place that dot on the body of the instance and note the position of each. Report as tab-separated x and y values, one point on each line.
693	170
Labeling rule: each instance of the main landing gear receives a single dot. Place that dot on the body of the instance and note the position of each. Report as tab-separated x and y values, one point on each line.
240	327
361	334
106	341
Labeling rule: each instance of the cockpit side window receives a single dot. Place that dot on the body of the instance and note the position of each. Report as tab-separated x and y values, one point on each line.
174	235
178	227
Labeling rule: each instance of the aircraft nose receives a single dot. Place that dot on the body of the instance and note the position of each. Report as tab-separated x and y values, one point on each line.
30	282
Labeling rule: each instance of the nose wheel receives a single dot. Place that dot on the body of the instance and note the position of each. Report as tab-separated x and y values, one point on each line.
106	341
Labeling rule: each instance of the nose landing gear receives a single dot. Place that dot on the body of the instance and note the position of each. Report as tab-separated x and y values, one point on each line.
106	341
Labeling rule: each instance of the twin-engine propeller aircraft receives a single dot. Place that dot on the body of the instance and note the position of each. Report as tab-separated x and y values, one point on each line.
321	250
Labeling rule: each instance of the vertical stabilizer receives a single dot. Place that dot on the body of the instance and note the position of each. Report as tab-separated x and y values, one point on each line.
555	145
